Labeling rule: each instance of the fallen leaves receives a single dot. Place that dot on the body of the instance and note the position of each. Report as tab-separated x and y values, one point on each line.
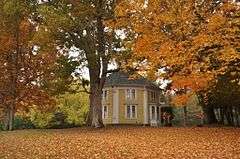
123	142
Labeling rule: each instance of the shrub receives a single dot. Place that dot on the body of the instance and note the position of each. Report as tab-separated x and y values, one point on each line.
75	107
40	119
1	127
22	123
59	121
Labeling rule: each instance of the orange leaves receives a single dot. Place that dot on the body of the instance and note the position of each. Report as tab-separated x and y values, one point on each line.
25	28
194	81
123	142
6	43
195	41
181	100
216	22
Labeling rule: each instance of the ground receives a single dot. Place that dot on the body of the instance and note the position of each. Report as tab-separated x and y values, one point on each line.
121	142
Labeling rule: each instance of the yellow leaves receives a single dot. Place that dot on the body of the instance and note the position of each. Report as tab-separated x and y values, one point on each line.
216	22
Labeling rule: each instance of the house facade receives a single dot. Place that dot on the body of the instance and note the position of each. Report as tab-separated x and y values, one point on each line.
131	101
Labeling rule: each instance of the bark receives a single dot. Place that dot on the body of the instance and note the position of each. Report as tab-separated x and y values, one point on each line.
97	71
9	114
185	116
236	116
11	117
14	75
95	113
209	115
89	115
221	116
6	118
228	113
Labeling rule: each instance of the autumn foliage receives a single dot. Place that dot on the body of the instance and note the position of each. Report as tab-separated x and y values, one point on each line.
194	41
23	67
124	142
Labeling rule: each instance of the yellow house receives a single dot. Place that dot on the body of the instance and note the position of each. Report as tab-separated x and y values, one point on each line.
131	101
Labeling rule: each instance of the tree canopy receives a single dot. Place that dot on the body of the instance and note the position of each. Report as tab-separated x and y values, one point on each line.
193	41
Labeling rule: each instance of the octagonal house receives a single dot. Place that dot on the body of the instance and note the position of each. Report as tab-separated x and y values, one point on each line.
131	101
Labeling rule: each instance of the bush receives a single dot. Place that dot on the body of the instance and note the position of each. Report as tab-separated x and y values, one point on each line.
75	107
22	123
59	121
40	119
1	127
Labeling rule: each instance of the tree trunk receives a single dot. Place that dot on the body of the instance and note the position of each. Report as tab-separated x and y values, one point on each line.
185	116
89	115
6	118
228	113
235	116
209	115
11	116
96	109
221	116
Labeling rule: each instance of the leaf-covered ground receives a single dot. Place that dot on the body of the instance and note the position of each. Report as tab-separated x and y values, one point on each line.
122	142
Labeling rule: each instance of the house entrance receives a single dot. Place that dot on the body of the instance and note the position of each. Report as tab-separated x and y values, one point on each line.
155	115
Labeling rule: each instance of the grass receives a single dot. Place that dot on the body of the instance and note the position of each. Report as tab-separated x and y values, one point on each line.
121	142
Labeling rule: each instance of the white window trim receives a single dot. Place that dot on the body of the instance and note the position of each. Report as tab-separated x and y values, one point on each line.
103	95
153	96
131	96
131	117
103	112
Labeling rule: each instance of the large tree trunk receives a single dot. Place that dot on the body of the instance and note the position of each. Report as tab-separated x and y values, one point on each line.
89	115
9	114
95	112
209	115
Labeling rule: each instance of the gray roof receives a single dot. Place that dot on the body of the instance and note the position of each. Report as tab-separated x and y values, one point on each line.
122	79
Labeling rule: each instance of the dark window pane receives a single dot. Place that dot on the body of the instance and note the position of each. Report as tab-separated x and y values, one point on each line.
128	111
153	112
133	112
133	93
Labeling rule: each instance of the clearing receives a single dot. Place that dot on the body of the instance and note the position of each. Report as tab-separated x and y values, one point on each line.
121	142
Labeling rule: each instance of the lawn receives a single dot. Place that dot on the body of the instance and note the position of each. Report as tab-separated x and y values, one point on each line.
121	142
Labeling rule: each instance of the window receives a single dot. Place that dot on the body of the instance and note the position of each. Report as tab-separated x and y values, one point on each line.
153	113
128	111
161	99
131	94
131	112
153	96
105	94
105	112
128	94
